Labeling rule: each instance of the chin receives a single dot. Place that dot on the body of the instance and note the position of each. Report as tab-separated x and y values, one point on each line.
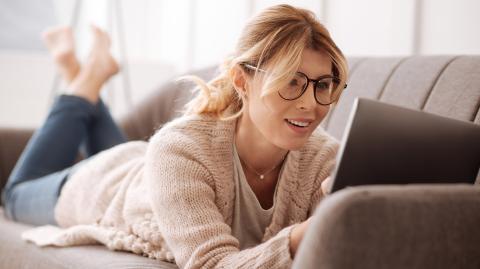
292	144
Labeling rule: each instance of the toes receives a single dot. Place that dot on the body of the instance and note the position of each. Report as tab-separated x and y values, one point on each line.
58	32
100	37
95	30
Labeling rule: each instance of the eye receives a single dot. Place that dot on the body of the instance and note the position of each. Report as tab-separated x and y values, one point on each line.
294	82
323	85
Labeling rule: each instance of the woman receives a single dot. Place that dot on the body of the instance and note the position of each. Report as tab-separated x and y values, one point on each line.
230	184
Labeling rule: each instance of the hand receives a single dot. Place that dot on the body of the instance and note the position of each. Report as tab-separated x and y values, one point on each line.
296	235
327	185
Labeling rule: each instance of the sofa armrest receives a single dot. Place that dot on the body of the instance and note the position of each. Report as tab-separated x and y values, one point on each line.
12	143
413	226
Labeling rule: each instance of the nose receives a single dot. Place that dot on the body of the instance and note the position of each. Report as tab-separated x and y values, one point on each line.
307	100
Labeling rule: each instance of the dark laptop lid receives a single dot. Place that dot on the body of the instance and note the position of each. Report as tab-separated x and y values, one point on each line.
387	144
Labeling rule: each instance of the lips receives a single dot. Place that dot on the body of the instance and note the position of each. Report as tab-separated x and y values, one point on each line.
298	123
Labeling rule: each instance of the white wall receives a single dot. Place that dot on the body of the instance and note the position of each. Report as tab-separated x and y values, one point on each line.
163	38
26	87
449	26
372	27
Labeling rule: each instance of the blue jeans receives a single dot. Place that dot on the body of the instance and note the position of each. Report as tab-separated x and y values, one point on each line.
73	124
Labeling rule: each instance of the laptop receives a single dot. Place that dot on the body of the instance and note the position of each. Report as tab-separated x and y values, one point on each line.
387	144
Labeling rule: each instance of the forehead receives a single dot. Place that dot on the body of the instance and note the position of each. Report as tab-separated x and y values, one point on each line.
315	63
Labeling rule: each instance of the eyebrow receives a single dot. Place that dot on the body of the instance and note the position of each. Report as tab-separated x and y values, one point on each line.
252	67
318	77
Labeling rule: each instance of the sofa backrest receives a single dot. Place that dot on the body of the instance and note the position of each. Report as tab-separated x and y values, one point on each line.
161	106
443	85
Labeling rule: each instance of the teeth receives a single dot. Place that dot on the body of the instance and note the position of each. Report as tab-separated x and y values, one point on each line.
298	123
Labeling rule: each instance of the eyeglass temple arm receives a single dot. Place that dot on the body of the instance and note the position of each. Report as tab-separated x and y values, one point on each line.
259	69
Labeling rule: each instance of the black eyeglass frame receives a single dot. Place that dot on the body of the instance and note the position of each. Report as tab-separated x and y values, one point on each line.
314	81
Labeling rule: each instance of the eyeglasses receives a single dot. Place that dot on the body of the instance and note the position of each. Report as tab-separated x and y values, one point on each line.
326	88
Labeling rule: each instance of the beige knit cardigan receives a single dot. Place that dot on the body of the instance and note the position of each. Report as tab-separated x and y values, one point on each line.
172	198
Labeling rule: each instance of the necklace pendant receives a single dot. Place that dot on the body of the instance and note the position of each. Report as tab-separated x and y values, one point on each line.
262	176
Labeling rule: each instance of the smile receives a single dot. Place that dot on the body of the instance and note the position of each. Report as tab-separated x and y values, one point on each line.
301	124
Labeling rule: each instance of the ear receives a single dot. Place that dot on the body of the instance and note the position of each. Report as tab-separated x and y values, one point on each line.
240	80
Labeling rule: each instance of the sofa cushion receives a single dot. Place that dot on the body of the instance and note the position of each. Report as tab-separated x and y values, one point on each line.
16	253
367	80
457	91
409	89
443	85
162	105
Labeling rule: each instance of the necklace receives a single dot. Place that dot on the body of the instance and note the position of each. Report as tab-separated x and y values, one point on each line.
262	175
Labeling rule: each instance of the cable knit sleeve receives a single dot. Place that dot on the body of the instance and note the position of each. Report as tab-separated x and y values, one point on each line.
183	200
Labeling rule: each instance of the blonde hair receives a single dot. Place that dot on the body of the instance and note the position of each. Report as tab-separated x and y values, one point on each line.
274	39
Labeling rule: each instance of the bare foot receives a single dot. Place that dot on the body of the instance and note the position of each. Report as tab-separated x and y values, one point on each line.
59	41
100	59
98	68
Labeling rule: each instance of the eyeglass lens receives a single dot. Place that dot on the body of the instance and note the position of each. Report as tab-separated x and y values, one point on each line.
325	89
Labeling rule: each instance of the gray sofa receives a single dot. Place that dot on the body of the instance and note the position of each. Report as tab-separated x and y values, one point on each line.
417	226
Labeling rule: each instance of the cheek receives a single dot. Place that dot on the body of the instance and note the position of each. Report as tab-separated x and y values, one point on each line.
265	113
262	113
320	114
268	117
271	109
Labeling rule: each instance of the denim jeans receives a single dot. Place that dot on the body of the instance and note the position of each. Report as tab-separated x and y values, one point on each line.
72	125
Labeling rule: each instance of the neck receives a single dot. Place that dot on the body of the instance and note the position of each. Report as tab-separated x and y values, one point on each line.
254	149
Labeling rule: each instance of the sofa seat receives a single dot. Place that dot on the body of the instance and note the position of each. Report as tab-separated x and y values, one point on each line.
16	253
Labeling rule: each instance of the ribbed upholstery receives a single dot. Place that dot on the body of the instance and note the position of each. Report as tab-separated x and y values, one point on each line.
413	80
457	92
353	63
430	83
368	80
443	85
